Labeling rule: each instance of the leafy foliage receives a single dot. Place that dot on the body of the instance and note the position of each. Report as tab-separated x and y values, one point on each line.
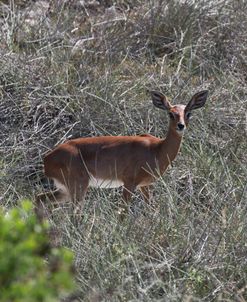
29	269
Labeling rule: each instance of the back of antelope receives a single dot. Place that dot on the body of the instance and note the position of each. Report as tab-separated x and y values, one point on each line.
113	161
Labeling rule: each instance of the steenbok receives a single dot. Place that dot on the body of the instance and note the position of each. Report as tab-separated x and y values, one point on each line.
113	161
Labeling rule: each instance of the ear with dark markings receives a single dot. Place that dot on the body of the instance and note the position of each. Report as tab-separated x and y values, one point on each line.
160	100
198	100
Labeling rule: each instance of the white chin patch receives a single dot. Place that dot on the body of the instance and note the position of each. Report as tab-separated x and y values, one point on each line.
180	132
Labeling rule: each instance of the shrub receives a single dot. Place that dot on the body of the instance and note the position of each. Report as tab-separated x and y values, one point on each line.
30	270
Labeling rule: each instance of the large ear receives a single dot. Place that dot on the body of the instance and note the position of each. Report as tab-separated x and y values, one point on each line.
160	101
198	100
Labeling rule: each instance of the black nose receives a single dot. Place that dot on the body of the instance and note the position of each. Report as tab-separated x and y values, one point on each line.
180	126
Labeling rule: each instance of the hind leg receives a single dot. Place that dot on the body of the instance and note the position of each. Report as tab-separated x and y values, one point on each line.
77	190
44	210
78	198
44	202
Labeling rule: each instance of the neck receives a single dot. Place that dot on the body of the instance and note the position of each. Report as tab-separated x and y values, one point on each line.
169	148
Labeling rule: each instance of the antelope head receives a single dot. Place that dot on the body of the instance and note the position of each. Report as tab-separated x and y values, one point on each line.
179	114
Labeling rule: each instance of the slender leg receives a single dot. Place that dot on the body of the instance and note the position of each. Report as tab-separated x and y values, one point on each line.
78	198
43	210
128	191
78	189
145	193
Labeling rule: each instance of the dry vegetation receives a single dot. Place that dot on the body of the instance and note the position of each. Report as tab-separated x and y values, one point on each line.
83	68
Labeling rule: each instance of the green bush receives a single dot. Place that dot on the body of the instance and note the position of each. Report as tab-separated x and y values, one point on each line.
30	270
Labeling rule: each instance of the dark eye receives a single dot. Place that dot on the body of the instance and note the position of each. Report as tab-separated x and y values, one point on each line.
188	115
171	116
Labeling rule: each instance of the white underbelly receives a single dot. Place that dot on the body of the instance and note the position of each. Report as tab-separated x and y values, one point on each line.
104	183
60	186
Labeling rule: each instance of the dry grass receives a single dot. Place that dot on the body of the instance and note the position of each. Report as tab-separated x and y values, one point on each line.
70	69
